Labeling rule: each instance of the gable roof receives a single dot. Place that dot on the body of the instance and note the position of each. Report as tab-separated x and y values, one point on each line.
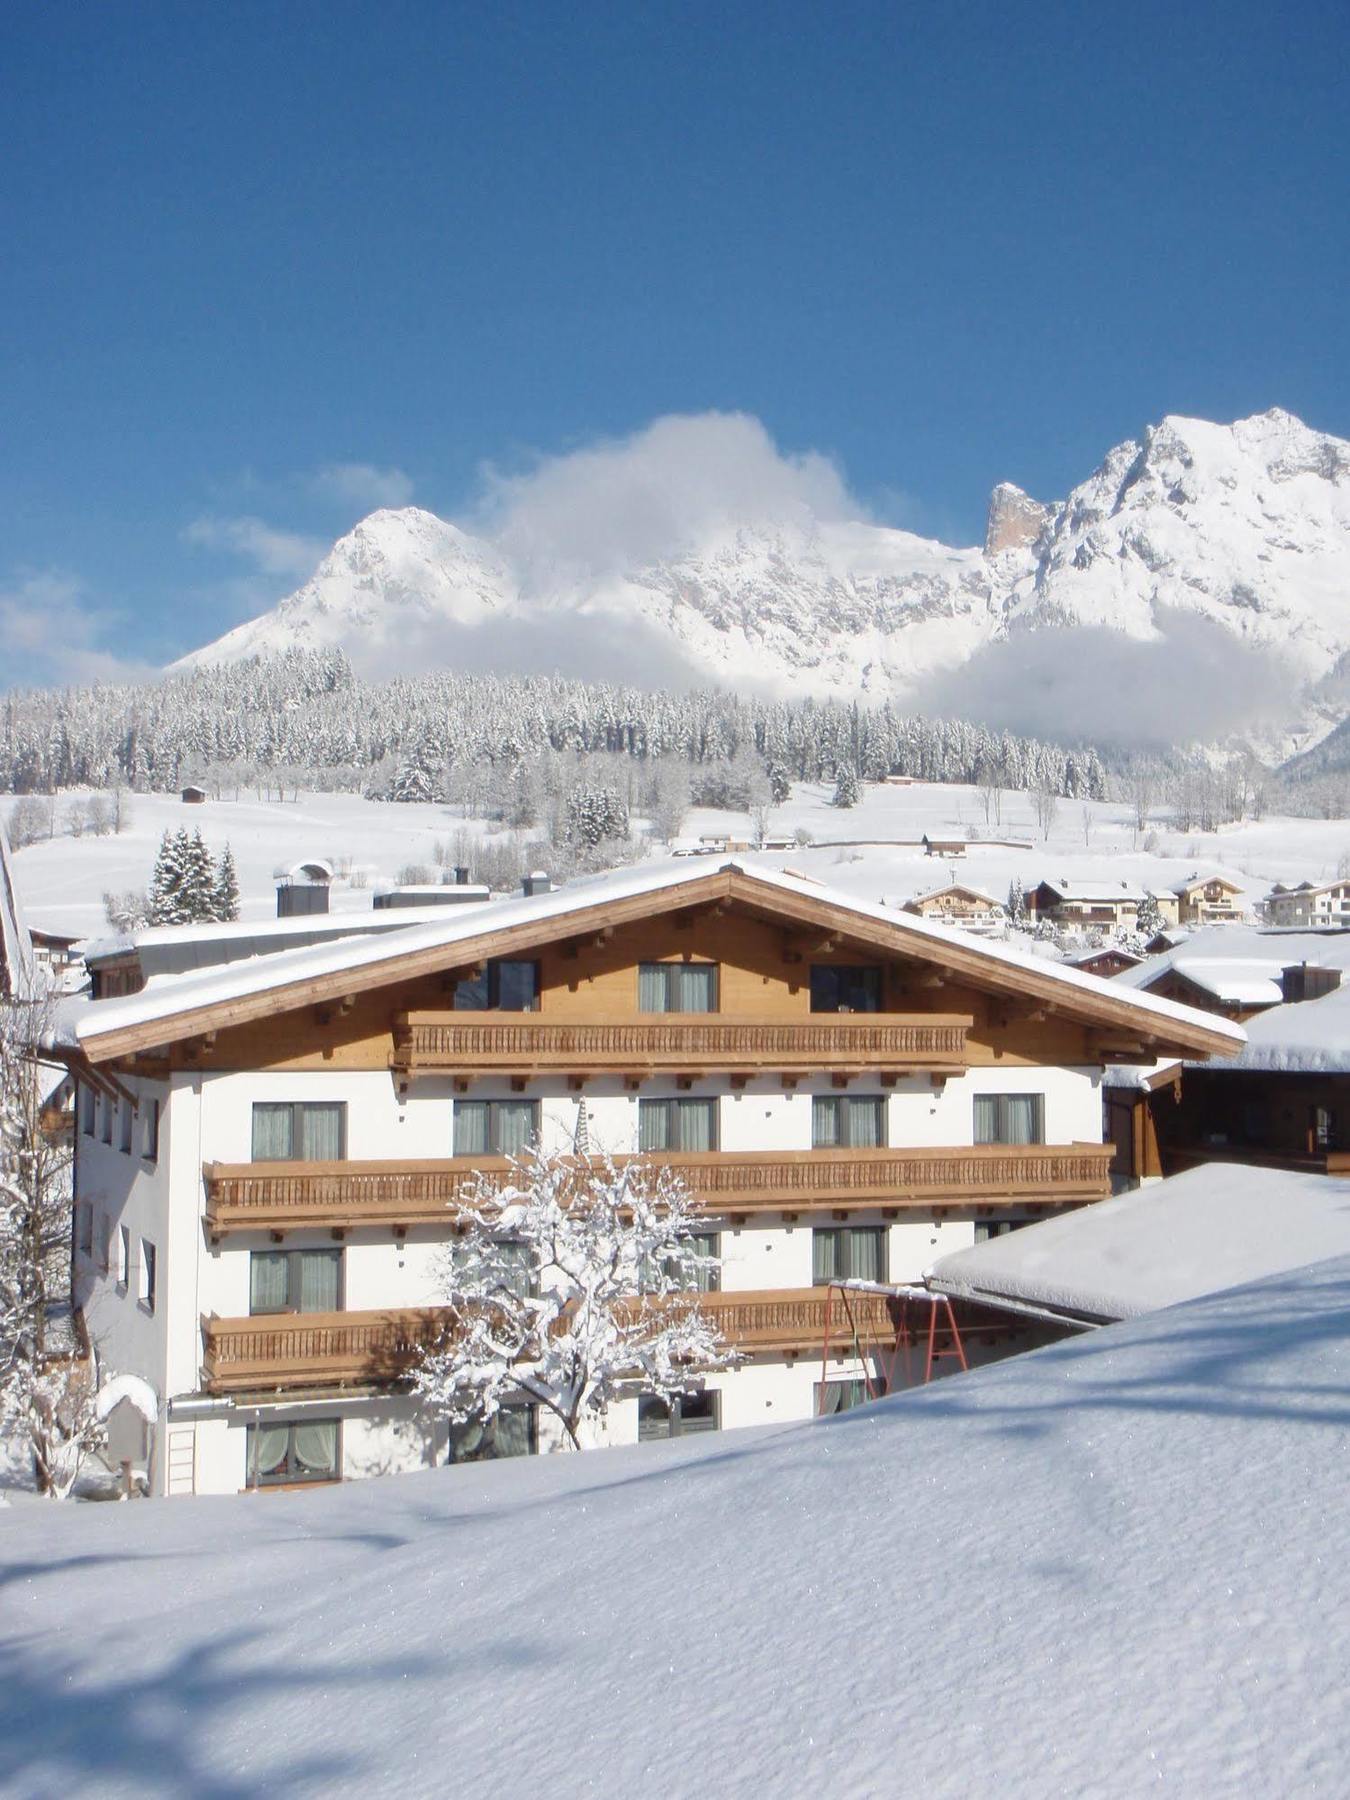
955	887
1101	892
174	1008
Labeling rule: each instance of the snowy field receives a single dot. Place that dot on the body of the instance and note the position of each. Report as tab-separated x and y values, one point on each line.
63	880
1116	1566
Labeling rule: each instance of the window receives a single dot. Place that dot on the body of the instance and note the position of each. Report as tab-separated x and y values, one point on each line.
123	1257
679	1417
150	1130
513	1266
503	986
837	987
86	1228
300	1131
848	1121
512	1431
1009	1118
145	1276
295	1281
88	1108
839	1396
280	1454
105	1105
125	1118
677	1124
705	1280
495	1127
848	1253
677	987
992	1228
105	1238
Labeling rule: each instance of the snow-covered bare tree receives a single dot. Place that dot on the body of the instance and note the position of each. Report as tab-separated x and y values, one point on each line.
47	1398
572	1281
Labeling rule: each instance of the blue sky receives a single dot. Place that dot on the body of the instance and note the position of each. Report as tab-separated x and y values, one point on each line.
266	266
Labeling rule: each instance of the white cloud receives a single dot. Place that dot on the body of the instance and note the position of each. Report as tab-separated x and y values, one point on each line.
623	504
273	551
50	632
363	484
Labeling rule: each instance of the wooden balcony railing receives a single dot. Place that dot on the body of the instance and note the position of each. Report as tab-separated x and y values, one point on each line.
298	1350
338	1195
349	1349
520	1044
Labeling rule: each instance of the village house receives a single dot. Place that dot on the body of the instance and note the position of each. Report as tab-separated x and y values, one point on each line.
1308	906
958	904
269	1154
1107	961
1209	900
1085	905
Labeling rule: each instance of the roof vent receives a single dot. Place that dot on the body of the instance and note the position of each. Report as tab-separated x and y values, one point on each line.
536	882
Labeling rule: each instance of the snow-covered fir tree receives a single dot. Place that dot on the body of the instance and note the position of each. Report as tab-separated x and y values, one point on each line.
225	888
542	1282
595	814
846	790
1149	921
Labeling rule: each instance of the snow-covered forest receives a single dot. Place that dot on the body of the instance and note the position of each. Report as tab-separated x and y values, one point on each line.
304	719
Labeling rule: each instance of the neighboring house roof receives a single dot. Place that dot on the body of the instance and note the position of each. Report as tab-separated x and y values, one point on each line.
1102	893
174	1007
1212	1228
1203	881
1234	981
1104	952
955	887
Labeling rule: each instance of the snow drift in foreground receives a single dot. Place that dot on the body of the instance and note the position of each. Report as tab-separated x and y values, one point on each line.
1114	1565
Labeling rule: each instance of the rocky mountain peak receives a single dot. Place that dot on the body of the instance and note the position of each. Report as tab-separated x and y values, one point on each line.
1014	520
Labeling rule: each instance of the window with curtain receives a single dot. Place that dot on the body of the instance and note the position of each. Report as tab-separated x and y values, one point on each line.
677	1124
1009	1119
295	1281
504	985
848	1253
681	1416
512	1431
841	987
303	1451
299	1130
848	1121
677	987
704	1280
992	1228
839	1396
495	1127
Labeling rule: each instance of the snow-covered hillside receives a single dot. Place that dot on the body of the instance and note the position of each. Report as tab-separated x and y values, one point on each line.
1246	526
1118	1565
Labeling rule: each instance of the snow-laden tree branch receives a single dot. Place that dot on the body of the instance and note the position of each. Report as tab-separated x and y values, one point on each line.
46	1386
574	1281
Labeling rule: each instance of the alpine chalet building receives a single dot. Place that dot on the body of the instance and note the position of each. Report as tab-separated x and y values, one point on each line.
269	1153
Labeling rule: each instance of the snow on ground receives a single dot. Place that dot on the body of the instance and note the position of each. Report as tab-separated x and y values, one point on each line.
1196	1233
857	850
1117	1565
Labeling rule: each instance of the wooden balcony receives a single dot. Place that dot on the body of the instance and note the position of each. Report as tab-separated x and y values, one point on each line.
522	1044
298	1351
339	1195
301	1350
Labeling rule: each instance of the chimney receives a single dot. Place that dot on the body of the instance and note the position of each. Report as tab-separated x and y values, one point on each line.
537	882
300	899
1305	981
461	875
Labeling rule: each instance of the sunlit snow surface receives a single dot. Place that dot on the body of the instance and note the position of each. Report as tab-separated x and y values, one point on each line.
1115	1566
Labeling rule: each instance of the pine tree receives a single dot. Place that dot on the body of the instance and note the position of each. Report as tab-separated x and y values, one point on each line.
225	888
199	882
780	782
1017	904
166	881
845	786
1150	920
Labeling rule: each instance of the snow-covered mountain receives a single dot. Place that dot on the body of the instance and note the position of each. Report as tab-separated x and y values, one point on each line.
1245	525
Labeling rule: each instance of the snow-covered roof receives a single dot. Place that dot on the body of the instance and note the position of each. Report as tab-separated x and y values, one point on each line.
1212	1228
1235	981
456	927
1133	1574
1311	1035
1098	893
956	887
202	945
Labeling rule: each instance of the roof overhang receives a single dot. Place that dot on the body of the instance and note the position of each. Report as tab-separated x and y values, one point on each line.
149	1021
